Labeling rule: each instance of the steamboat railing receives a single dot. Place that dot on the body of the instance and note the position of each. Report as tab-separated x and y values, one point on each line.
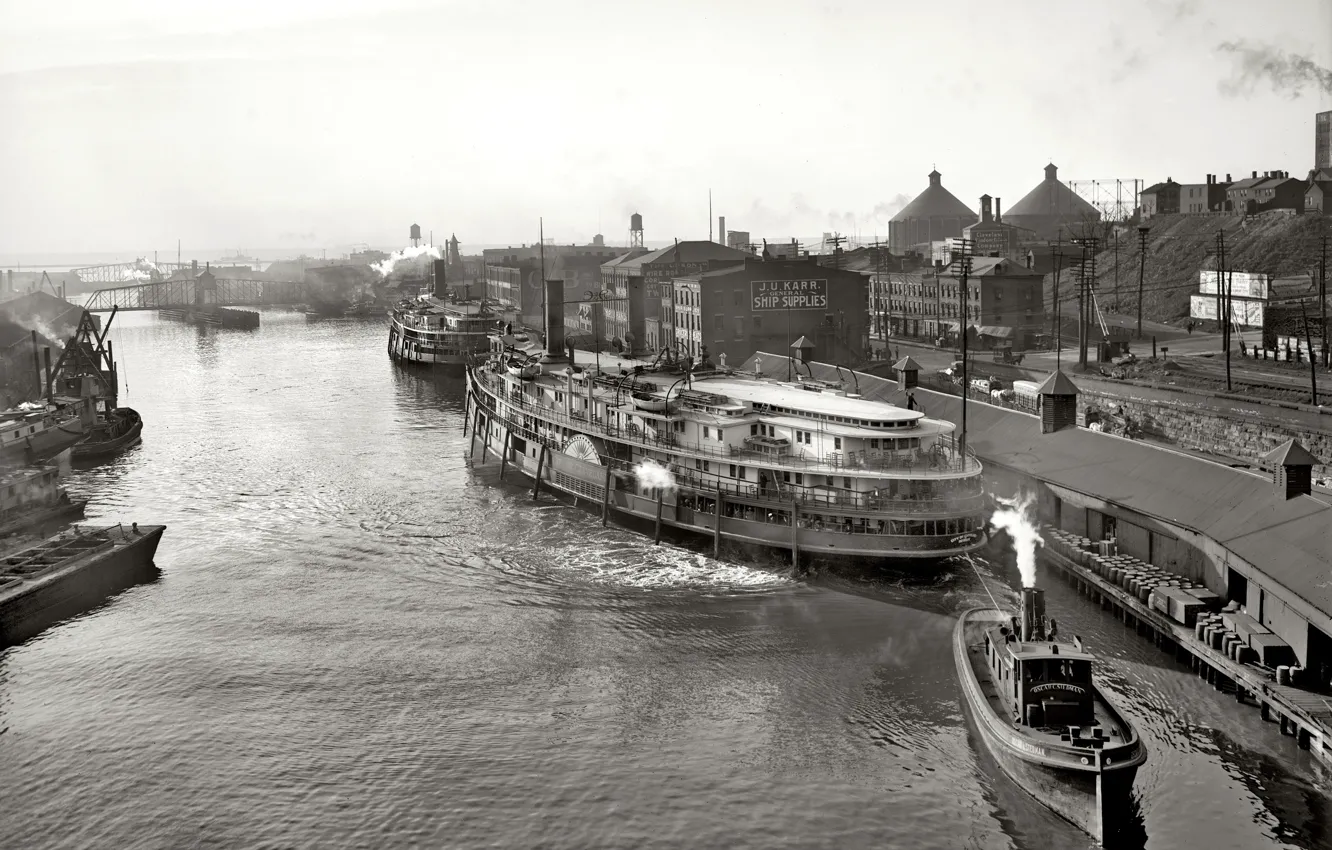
934	463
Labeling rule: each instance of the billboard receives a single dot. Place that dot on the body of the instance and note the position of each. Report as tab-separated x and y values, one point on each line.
1242	284
1245	313
789	294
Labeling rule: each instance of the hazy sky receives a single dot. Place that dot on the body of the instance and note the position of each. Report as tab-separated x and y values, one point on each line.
127	124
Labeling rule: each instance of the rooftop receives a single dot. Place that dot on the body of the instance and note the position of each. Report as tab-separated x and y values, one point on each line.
1051	197
935	202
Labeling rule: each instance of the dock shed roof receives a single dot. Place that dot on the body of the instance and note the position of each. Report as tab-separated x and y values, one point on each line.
1289	540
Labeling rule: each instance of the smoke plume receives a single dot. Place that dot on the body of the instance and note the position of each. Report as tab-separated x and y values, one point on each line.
654	475
1286	72
1017	519
386	267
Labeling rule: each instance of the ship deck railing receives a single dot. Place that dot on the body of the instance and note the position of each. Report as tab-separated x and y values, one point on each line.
824	498
928	463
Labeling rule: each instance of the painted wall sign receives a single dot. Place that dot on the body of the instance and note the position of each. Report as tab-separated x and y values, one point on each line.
789	294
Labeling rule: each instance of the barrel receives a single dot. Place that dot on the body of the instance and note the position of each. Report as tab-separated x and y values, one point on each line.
1283	674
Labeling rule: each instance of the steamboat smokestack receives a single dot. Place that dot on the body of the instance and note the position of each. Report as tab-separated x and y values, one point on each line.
441	278
1033	614
555	323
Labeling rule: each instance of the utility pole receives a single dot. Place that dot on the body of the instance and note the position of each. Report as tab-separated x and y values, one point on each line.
1086	275
1313	370
1142	268
1116	232
1322	305
837	239
1223	305
962	256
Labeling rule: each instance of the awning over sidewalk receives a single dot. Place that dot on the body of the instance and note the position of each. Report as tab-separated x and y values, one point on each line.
996	331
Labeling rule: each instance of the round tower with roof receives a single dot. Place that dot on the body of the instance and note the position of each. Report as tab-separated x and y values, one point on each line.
933	216
1049	207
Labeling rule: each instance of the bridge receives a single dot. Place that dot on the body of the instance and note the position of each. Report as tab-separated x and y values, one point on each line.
140	269
177	294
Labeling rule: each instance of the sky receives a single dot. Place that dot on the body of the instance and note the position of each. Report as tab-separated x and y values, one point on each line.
129	125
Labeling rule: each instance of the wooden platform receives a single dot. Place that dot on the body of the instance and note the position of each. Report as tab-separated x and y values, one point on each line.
1307	715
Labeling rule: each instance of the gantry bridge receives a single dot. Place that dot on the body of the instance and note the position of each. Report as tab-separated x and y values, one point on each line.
178	294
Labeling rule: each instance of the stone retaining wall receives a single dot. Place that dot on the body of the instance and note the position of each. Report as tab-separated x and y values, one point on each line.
1234	435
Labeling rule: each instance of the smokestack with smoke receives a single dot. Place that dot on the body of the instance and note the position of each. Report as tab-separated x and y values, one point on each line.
1285	71
1016	518
386	267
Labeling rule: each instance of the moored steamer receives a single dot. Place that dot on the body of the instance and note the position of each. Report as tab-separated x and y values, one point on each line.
804	466
1042	718
433	332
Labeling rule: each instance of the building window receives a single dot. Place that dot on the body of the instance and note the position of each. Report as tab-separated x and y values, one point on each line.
837	443
719	322
758	323
735	298
739	326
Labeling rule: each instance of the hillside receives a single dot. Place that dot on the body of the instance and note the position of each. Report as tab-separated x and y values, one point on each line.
1179	246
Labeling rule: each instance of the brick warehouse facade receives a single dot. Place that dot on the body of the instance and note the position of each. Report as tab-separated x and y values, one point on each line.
765	305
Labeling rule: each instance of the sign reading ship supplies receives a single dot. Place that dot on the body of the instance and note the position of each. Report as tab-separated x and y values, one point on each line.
789	294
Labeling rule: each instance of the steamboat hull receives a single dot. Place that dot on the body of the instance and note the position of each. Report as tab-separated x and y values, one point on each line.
411	347
37	601
1090	790
44	445
43	518
501	435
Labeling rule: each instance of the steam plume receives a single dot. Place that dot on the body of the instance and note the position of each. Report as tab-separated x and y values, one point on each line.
1017	520
654	475
386	267
1285	71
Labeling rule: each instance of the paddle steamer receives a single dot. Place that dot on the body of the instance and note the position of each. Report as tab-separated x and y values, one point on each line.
1042	717
802	465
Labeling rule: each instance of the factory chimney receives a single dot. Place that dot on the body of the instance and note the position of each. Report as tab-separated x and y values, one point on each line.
998	209
441	278
555	323
721	229
985	209
1033	614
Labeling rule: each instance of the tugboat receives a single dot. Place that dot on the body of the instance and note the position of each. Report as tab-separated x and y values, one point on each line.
1042	717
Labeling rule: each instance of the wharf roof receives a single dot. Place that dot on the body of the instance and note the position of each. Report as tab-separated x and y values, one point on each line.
935	202
691	251
1051	197
1288	540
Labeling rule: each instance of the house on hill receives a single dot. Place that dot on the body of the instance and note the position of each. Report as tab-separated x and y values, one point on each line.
1159	199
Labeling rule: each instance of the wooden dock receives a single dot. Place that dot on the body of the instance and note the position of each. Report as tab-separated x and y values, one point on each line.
1304	715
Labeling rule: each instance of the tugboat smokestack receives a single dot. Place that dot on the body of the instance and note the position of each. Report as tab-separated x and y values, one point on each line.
554	322
1033	614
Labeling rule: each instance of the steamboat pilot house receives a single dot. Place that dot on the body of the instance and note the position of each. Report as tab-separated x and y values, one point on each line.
801	465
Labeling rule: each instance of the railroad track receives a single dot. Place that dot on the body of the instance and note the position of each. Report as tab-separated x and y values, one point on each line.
1256	379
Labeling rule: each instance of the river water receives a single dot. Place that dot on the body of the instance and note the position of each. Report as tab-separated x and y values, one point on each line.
360	639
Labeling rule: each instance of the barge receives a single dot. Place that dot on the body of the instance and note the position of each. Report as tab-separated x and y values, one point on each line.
805	466
70	572
1042	717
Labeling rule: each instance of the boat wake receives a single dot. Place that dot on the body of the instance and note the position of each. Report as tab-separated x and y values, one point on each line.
631	564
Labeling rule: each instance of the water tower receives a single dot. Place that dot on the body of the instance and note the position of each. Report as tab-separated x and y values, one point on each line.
416	235
635	231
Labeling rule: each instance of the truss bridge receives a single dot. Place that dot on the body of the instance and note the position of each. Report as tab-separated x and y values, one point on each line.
178	294
125	272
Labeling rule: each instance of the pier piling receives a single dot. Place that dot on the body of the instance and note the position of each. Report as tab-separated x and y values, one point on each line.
656	532
541	463
795	536
605	498
504	455
716	524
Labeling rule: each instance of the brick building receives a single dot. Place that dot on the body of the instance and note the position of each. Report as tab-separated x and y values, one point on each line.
1274	190
1159	199
1204	197
1318	191
1005	301
656	269
991	236
765	305
1323	140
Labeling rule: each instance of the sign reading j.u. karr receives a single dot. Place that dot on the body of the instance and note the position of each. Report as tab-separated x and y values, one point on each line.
789	294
